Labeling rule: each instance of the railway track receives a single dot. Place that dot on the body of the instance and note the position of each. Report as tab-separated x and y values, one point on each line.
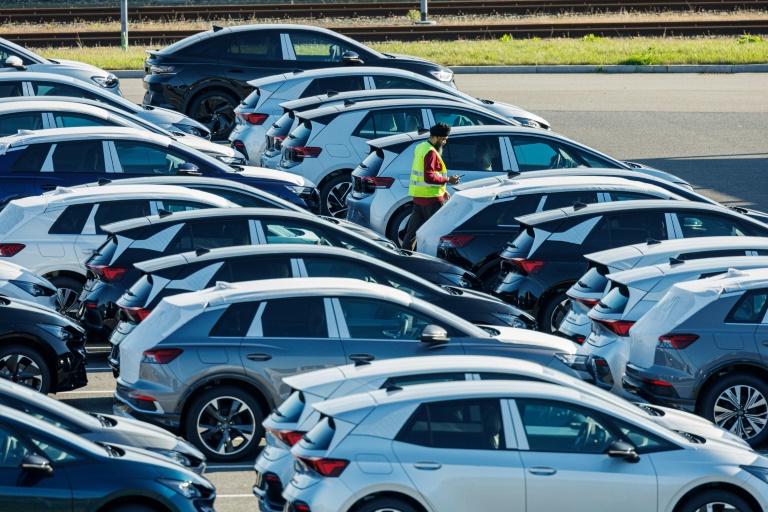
358	9
431	32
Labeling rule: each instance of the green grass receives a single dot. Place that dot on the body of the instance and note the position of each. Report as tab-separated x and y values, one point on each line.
590	50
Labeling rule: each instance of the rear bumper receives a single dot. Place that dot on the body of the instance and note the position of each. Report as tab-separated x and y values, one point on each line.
637	382
143	410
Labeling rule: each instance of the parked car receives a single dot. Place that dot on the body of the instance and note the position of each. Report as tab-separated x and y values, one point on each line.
469	445
46	112
49	468
19	283
262	107
54	234
633	293
286	425
16	84
40	348
380	200
329	142
701	349
207	74
547	257
473	227
590	288
29	60
259	338
104	428
270	156
33	162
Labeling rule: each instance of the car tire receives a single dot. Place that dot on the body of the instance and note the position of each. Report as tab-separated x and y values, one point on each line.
553	313
398	224
203	110
333	195
386	505
25	366
223	442
704	501
744	388
67	292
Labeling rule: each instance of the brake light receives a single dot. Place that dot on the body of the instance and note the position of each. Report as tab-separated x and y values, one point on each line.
371	183
587	302
136	314
306	151
326	467
289	437
255	119
456	241
300	506
143	398
654	382
161	355
239	144
8	250
620	327
579	339
677	341
110	274
527	266
277	141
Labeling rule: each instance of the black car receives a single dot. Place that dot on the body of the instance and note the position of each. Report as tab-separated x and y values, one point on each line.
47	468
207	74
41	348
111	269
547	257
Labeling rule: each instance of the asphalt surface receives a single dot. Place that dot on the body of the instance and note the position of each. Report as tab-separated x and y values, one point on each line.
708	129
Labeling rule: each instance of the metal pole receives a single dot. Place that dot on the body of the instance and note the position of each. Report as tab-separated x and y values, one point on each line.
124	24
423	10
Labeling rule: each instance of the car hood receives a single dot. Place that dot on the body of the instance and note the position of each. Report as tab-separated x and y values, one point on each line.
73	64
403	56
515	336
652	171
272	174
204	145
449	267
513	112
160	466
680	420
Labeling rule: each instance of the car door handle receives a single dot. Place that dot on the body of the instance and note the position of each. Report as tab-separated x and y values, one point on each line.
541	470
362	357
427	466
259	357
48	186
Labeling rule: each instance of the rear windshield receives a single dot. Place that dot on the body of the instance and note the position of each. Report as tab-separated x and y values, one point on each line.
614	301
282	126
523	242
593	281
253	99
320	437
371	165
300	134
140	291
290	410
104	254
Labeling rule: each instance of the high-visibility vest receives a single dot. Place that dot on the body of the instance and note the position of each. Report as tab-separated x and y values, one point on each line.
418	187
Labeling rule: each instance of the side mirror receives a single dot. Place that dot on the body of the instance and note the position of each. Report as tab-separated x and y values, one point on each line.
14	62
351	58
620	449
36	464
434	334
188	169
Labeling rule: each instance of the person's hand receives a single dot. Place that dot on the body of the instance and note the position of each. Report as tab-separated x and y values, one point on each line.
446	196
454	179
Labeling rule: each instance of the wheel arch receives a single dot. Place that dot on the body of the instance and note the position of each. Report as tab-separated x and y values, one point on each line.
549	294
715	375
35	343
719	486
205	87
135	499
79	276
399	495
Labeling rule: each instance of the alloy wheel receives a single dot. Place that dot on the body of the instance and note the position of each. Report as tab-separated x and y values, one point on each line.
66	300
226	425
209	113
742	410
336	202
718	506
558	314
23	370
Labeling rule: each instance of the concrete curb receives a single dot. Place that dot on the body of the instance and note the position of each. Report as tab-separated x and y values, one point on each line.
486	70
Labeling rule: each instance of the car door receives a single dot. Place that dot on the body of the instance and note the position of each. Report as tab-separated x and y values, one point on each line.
288	336
12	122
21	168
700	224
143	159
746	321
618	230
374	329
73	162
475	157
311	50
384	122
107	212
246	55
563	450
463	455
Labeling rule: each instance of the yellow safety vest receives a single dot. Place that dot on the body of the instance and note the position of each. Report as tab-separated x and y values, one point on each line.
418	188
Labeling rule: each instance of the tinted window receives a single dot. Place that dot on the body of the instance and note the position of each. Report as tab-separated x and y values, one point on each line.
389	122
140	158
299	317
79	156
473	153
643	441
614	301
334	83
460	424
210	235
53	451
324	267
538	154
55	89
715	254
260	268
565	199
594	280
239	198
279	232
11	89
176	205
72	220
75	120
314	48
524	240
396	82
630	196
116	211
373	319
252	46
32	158
290	410
456	117
621	230
521	205
355	245
236	320
12	123
750	309
14	450
697	224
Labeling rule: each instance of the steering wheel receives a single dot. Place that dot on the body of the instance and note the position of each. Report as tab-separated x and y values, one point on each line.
556	162
585	434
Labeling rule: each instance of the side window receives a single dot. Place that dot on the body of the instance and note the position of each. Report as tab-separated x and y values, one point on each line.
643	441
13	449
218	234
43	414
473	153
239	198
558	427
404	286
279	232
260	268
12	123
537	154
85	156
56	89
591	160
354	245
455	117
750	309
697	224
116	211
334	83
281	318
31	158
630	196
325	267
53	452
396	82
252	47
374	319
508	376
176	205
424	378
315	48
620	230
72	220
458	424
236	320
11	89
75	120
389	122
522	205
565	199
140	158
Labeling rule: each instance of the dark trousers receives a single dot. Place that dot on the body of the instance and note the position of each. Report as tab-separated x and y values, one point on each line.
419	216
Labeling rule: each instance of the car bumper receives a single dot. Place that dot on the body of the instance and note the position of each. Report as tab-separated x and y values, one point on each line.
363	211
98	309
608	362
159	92
328	495
576	325
70	371
519	290
253	139
274	469
143	410
639	382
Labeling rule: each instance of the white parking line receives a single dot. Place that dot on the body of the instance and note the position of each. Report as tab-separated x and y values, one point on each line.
86	392
228	466
235	496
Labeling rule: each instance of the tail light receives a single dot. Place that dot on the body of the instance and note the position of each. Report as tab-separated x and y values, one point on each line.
326	467
620	327
289	437
8	250
579	339
456	241
299	506
161	355
527	266
677	341
590	303
110	274
136	314
306	151
654	382
277	141
371	183
255	119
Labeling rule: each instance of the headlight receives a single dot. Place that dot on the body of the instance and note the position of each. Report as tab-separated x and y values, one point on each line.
444	75
300	191
62	332
511	320
186	489
174	456
757	471
106	81
192	130
33	289
232	160
574	361
527	122
162	70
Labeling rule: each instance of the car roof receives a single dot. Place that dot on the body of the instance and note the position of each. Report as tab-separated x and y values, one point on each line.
310	74
36	105
24	137
731	281
458	131
394	103
366	93
627	277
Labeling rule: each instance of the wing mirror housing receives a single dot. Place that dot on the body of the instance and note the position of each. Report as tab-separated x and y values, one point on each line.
37	464
434	334
188	169
622	450
351	58
14	62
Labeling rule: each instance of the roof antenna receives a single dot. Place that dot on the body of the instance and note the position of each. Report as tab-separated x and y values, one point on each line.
578	206
422	131
163	213
676	261
199	251
652	241
104	181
